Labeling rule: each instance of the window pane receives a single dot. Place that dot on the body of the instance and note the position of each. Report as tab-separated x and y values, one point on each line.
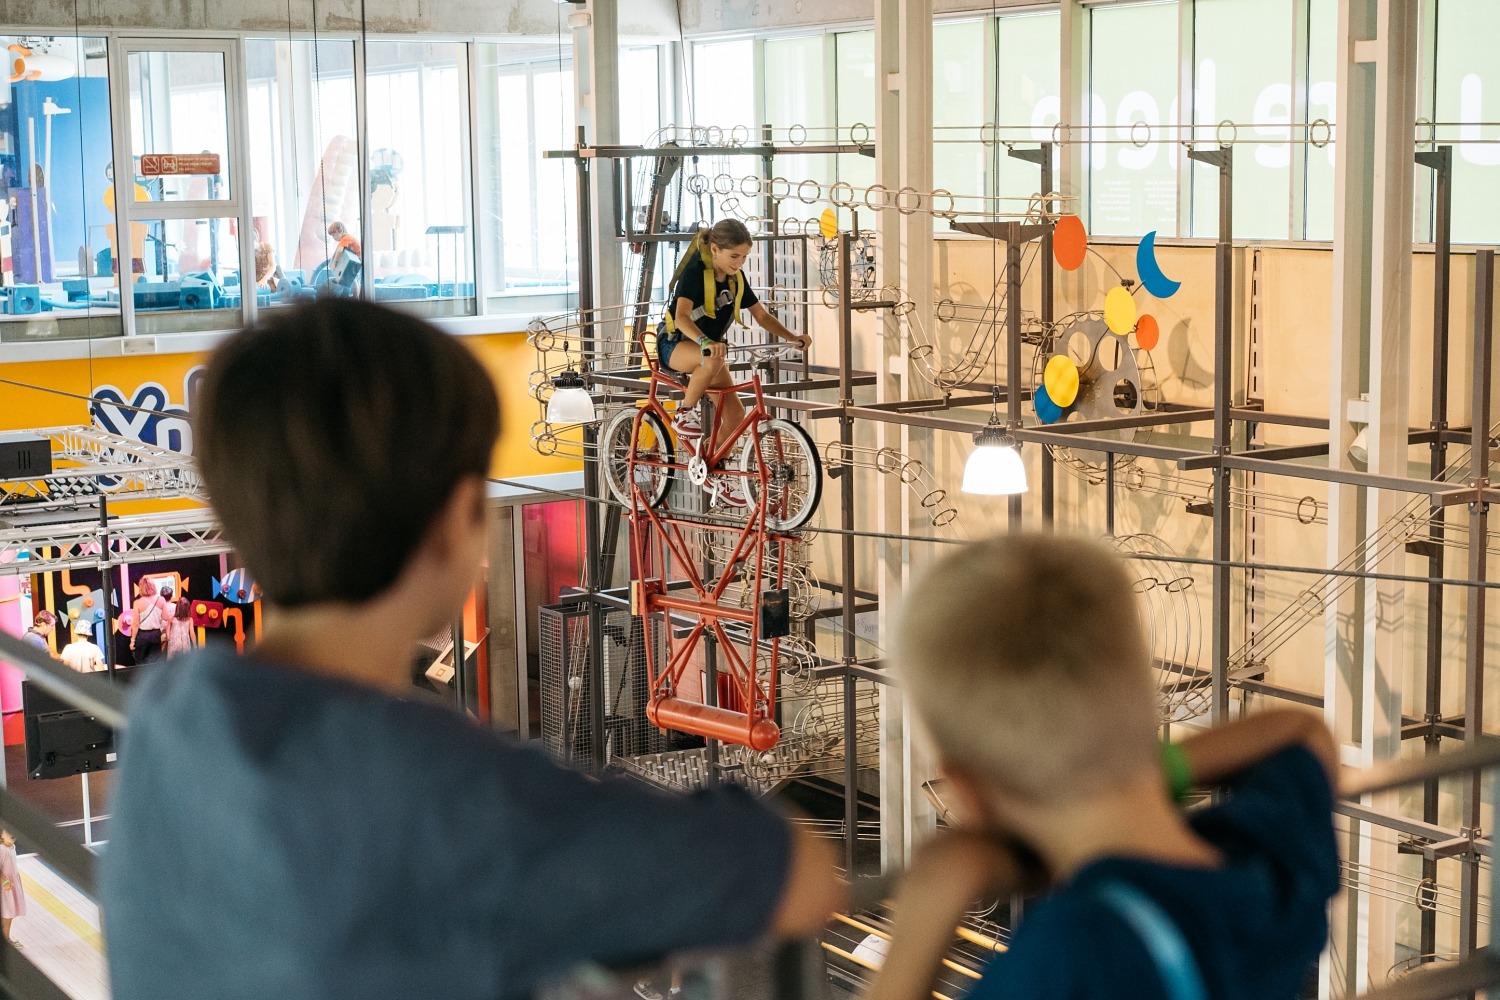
796	93
418	242
56	270
304	161
640	94
1029	65
1133	188
180	135
1468	84
960	106
190	276
854	103
723	86
1244	74
1322	104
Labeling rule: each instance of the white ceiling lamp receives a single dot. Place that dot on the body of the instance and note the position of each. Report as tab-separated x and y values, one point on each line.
570	402
994	467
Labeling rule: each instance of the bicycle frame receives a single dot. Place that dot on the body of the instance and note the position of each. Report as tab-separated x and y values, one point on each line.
658	541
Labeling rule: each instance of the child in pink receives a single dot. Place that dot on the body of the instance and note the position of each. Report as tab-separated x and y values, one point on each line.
12	896
180	638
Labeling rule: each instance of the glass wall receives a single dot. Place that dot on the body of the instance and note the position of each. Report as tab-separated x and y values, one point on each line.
304	161
1467	91
56	183
1028	57
418	245
1134	72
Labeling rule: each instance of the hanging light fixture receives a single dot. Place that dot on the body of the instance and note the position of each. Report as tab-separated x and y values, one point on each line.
570	402
994	467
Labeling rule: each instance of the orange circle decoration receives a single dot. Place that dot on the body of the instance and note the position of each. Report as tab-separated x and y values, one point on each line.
1060	378
1147	332
1070	243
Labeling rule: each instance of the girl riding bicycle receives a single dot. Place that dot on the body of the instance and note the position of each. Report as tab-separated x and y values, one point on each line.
708	292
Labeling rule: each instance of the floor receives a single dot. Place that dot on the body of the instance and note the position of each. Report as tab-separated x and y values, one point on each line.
59	932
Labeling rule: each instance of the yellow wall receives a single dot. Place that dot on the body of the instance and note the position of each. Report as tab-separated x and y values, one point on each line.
50	394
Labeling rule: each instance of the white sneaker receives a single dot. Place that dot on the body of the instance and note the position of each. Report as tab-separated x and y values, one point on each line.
687	421
729	492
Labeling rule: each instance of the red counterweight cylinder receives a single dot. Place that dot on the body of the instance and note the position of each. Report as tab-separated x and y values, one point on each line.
716	723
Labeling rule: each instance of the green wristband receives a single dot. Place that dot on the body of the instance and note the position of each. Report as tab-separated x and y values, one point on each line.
1178	771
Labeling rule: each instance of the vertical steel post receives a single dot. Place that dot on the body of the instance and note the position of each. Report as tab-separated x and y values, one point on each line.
1013	348
592	545
1440	160
846	510
460	681
1479	528
1223	159
109	604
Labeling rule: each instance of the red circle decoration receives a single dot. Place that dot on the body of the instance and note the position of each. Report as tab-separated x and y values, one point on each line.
1147	332
1070	243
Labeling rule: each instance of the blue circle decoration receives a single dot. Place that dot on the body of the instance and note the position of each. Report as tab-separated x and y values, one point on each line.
1047	411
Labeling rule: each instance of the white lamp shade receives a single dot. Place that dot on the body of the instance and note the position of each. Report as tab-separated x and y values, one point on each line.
994	470
1359	448
571	406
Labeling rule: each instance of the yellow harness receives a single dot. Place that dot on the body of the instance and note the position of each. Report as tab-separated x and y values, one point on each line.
736	282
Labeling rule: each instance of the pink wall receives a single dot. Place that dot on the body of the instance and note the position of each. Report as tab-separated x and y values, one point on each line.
11	623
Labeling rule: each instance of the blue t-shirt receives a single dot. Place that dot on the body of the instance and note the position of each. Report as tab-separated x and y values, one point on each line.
278	834
1254	925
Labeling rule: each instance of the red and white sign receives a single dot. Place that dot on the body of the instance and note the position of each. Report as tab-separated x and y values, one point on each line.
163	164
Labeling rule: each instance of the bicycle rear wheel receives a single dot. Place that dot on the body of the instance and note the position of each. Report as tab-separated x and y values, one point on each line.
648	443
794	473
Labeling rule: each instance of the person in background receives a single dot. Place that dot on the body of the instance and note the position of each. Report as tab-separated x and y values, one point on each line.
180	635
42	627
12	894
150	613
82	654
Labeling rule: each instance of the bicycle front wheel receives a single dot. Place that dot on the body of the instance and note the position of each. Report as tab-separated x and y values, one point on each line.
794	473
648	445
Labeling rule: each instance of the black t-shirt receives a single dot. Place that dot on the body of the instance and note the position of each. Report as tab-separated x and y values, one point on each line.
690	286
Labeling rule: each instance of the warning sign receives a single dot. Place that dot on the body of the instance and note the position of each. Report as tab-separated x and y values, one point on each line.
173	164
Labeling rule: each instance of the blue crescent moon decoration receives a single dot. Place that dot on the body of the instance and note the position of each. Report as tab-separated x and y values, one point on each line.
1158	284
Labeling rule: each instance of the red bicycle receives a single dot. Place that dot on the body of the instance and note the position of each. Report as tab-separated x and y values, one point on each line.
737	595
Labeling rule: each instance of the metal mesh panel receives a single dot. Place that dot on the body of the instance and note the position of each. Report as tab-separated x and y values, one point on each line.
568	729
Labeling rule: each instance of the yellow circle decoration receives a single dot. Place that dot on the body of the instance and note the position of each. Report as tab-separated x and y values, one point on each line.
828	224
1119	310
1061	380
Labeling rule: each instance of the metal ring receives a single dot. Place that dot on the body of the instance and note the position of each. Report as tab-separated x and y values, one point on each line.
917	204
796	135
989	134
1057	128
1234	132
946	310
739	135
536	326
830	297
839	199
943	213
804	197
696	184
885	195
912	471
1431	130
545	340
713	135
751	186
791	226
1140	143
782	193
944	517
1310	518
859	133
1327	133
723	184
904	308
